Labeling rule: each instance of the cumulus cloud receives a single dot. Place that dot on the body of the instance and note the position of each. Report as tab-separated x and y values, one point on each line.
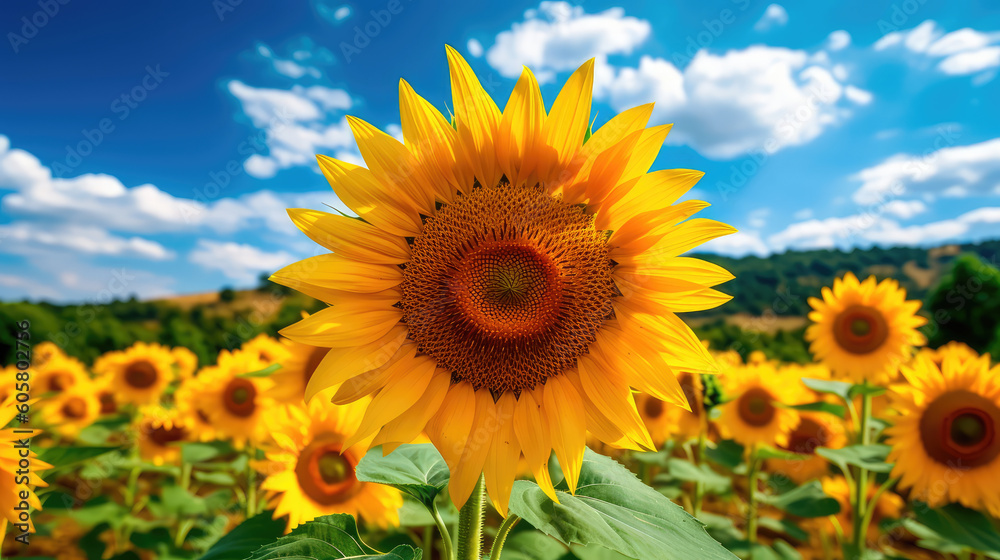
237	261
558	37
962	52
955	171
739	244
774	16
838	40
475	48
25	238
299	122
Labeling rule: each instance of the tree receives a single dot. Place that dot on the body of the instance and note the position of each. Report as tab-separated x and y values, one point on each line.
965	306
227	295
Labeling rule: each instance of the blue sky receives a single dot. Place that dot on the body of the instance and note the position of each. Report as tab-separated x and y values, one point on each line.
151	148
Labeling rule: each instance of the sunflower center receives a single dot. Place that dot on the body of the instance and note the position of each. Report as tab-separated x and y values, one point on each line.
163	436
507	286
958	429
74	408
239	397
325	474
653	407
809	435
108	403
140	374
860	329
756	408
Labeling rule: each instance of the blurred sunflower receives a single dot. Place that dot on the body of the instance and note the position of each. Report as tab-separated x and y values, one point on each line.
235	406
291	380
542	275
45	351
863	330
72	410
8	382
310	471
105	390
815	429
269	350
960	350
191	406
655	417
160	432
140	373
13	483
752	415
185	361
58	373
945	441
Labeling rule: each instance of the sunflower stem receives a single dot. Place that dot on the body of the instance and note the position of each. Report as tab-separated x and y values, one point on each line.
752	509
251	482
501	537
445	533
470	523
699	486
861	481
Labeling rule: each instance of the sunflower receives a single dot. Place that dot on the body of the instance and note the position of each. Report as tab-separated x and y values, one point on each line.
310	471
160	432
141	373
504	269
105	390
191	406
58	373
72	410
8	382
185	362
290	381
269	350
752	414
863	330
944	440
959	349
14	483
815	429
44	352
235	406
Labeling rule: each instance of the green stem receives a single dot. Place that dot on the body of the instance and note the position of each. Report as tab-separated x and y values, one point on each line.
251	483
132	488
445	534
186	476
502	533
861	481
699	486
470	523
870	511
752	509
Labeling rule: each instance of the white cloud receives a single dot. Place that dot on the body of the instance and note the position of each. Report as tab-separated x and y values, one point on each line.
774	16
24	238
287	67
838	40
475	48
857	95
803	214
955	171
962	52
758	218
237	261
758	98
300	122
558	37
904	209
739	244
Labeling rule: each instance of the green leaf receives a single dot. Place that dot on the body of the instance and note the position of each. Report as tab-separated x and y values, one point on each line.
839	388
871	457
176	501
807	500
767	452
785	526
613	509
961	525
218	478
416	469
330	536
246	538
714	482
262	372
196	452
859	390
830	408
65	456
726	453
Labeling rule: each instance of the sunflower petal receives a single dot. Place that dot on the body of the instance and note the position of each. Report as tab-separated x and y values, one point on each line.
408	425
351	237
501	462
341	364
567	423
343	326
405	383
533	437
361	192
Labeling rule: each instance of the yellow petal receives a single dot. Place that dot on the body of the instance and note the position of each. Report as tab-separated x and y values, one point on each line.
351	237
361	192
430	137
340	273
341	364
408	425
484	429
608	390
406	382
569	118
343	326
567	422
520	127
645	230
368	382
393	165
533	437
449	429
477	119
653	191
676	240
501	462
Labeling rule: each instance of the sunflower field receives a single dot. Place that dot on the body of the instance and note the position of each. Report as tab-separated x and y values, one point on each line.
501	371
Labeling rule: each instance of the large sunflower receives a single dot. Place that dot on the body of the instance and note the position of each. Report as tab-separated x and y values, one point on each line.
863	330
945	439
140	373
72	410
13	480
753	414
310	471
507	282
234	406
